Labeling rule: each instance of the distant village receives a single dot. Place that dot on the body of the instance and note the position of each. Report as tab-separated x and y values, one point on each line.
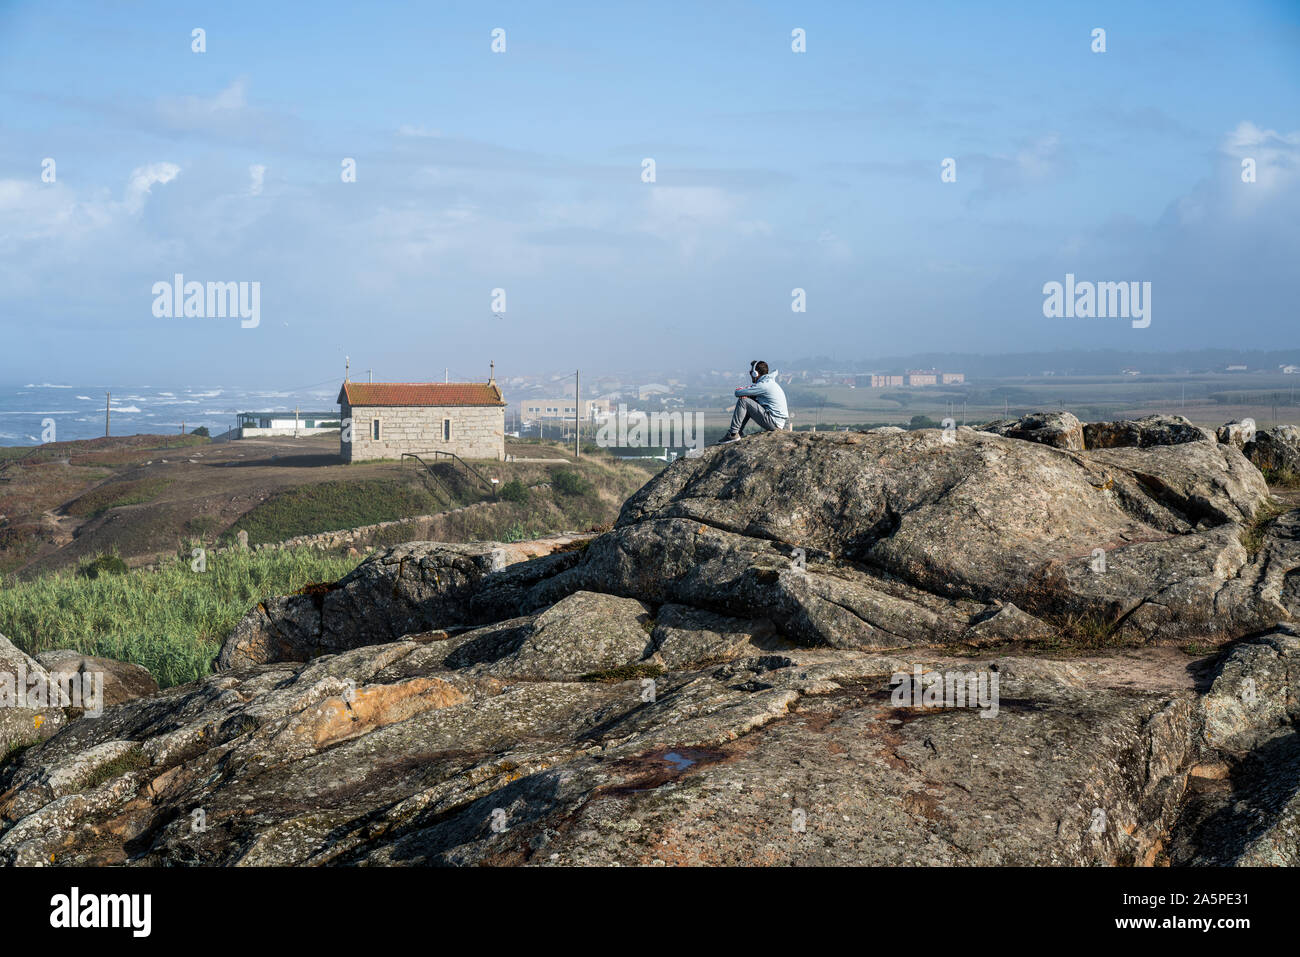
473	419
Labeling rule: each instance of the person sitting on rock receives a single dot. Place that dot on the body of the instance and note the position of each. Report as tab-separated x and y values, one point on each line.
762	403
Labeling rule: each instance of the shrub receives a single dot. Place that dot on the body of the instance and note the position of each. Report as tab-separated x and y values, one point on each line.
106	563
569	483
513	491
201	430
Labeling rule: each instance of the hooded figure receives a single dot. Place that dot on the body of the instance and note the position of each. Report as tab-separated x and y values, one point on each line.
762	403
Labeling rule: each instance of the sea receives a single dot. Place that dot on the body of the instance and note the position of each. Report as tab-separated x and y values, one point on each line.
37	412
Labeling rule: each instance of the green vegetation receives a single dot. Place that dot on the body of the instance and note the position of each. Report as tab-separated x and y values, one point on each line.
567	482
132	760
1079	631
1281	478
624	673
172	620
202	527
107	563
101	499
201	430
513	491
11	749
329	506
518	533
1252	535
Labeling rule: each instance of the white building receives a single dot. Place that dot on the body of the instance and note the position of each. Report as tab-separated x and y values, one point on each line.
295	422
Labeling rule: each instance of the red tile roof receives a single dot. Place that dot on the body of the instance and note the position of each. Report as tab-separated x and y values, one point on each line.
419	393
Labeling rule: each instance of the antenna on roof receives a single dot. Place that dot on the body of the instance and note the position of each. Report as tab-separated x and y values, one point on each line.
347	365
492	372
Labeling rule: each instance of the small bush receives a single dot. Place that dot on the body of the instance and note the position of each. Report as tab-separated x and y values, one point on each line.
106	563
569	483
513	491
201	430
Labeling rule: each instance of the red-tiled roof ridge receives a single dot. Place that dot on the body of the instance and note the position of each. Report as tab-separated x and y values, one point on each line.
420	393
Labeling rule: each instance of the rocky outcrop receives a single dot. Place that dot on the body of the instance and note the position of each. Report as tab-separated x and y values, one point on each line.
1236	433
409	588
121	680
1143	433
421	752
1276	450
1058	429
797	648
26	714
863	540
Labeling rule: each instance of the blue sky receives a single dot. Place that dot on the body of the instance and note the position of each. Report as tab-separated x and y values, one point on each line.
522	171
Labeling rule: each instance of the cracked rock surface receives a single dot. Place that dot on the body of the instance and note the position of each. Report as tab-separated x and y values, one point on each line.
737	673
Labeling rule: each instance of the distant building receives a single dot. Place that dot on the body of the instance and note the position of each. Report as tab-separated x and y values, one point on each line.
886	381
1234	368
1130	371
653	388
1290	370
922	377
389	418
253	424
952	378
593	410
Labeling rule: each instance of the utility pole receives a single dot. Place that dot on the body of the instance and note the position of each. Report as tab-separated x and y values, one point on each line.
370	375
108	404
577	418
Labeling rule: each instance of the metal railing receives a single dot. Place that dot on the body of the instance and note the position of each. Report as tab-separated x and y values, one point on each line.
454	461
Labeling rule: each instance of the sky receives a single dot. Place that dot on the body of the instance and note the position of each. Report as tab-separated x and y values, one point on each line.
524	170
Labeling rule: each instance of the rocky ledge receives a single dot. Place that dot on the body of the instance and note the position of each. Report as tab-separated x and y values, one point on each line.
765	661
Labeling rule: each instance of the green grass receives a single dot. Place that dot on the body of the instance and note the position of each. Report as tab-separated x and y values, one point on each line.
101	499
172	621
329	506
1252	535
624	673
132	760
1281	478
1079	631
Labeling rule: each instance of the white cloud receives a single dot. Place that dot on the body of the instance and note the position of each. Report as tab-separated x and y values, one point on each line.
1276	155
142	180
257	177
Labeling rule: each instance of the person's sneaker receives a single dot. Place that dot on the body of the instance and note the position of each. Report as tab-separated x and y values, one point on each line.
727	439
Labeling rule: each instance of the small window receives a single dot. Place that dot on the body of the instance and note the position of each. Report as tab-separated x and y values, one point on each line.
446	430
374	429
